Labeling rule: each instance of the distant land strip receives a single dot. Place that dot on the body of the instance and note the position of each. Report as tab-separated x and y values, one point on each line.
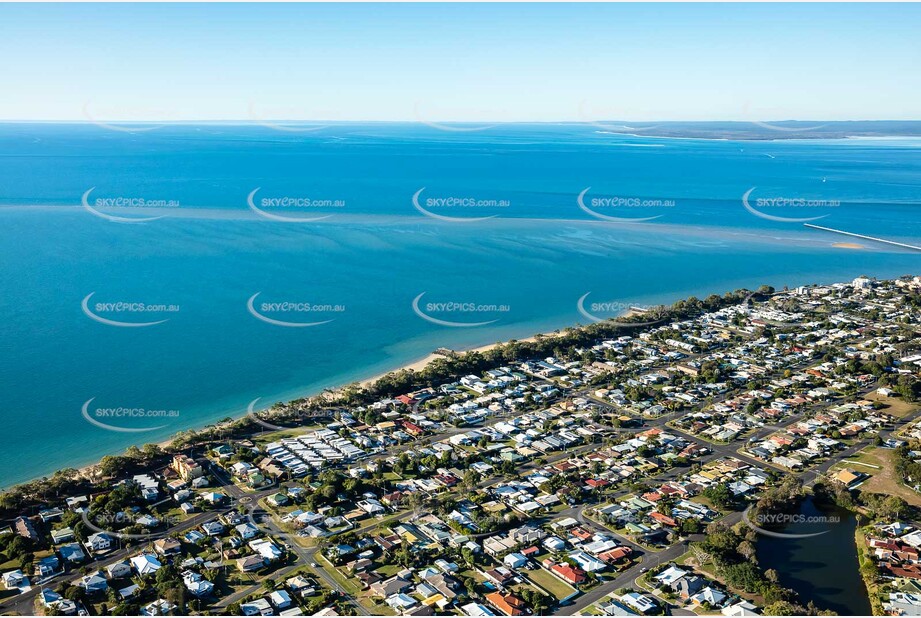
873	238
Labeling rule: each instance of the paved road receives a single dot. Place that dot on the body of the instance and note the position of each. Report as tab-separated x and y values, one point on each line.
23	603
304	557
624	579
258	516
651	559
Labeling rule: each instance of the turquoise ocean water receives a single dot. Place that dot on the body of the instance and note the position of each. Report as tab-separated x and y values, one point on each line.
523	265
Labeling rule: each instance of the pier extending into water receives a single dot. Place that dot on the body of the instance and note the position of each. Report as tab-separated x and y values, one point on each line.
865	237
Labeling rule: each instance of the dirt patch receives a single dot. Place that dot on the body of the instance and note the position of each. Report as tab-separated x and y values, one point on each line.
886	480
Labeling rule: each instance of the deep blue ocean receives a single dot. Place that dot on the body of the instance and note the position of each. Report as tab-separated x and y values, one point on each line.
368	253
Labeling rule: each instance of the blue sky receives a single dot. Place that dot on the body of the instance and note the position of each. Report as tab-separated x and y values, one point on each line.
475	62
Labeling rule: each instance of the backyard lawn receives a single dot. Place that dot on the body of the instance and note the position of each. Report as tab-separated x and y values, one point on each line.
551	583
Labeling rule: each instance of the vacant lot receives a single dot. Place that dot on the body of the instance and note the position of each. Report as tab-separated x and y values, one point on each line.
895	406
885	480
869	461
551	583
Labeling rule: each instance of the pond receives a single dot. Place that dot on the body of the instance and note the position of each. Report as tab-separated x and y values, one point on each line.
824	568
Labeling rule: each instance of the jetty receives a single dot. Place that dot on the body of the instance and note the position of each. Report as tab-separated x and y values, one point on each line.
864	236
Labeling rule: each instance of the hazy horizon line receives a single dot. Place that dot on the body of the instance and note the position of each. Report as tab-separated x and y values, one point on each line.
417	121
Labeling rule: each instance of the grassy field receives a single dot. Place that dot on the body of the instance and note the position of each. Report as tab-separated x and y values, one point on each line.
895	406
389	570
885	480
870	460
347	584
551	583
518	588
700	499
9	565
274	436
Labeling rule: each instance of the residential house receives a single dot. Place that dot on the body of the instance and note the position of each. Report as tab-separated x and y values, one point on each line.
507	604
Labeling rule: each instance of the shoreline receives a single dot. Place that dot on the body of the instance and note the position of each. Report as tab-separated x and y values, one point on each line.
235	415
423	362
417	365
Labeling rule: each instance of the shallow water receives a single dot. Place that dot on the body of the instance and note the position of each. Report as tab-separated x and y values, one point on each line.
376	253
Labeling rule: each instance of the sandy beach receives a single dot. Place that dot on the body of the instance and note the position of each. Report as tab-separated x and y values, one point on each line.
414	366
421	363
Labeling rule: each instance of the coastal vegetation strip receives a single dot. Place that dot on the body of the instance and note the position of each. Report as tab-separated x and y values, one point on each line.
408	487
